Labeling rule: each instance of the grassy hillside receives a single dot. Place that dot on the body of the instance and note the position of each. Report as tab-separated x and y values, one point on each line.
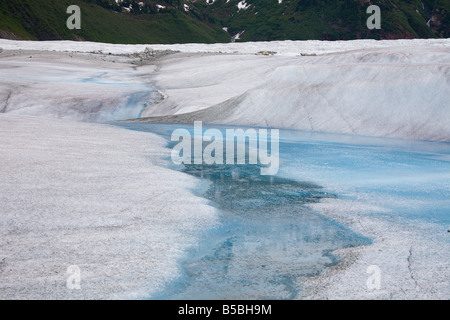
46	20
329	19
107	21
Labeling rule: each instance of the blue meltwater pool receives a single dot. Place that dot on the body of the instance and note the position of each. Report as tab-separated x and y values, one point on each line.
269	238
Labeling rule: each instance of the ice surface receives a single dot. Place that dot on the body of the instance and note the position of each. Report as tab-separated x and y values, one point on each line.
67	189
286	48
395	191
72	88
93	196
380	88
408	177
396	91
267	237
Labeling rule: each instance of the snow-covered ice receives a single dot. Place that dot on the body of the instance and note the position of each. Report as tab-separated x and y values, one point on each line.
62	180
283	48
395	91
395	191
72	87
383	88
93	196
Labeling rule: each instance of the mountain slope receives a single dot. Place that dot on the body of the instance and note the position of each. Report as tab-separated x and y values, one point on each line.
183	21
328	20
46	20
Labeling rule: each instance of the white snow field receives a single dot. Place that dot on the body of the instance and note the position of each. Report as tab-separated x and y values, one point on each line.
66	185
396	91
394	191
71	87
378	88
92	196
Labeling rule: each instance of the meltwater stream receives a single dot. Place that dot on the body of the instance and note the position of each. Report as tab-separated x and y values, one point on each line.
267	240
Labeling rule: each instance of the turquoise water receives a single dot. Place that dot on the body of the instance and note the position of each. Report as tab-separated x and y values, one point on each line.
269	239
408	178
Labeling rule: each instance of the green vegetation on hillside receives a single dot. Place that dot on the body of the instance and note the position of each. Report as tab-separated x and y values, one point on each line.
182	21
46	20
329	19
